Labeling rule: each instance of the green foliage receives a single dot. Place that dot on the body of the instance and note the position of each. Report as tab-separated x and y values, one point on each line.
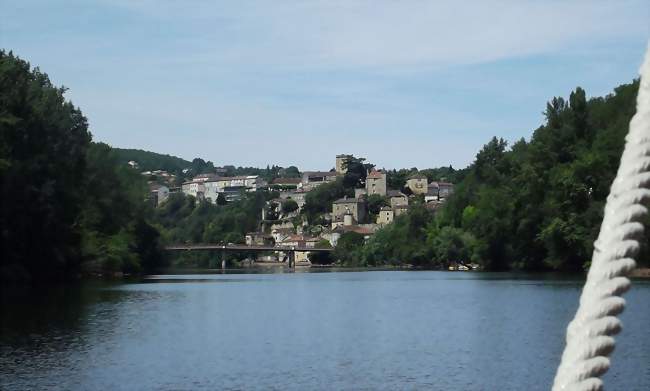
396	179
535	206
450	244
321	258
221	199
67	205
268	174
43	140
290	172
113	223
402	242
376	202
289	206
319	200
183	219
356	172
200	166
539	204
348	248
150	161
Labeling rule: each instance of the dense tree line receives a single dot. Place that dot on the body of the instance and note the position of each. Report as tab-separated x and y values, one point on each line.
534	206
184	219
150	161
184	169
396	179
67	205
539	204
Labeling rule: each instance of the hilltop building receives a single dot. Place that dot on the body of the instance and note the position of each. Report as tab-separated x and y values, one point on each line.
341	162
376	183
158	194
438	191
400	210
386	216
313	179
432	192
417	183
356	207
210	186
445	189
397	198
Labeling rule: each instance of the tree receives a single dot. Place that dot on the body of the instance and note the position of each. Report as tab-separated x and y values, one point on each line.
347	247
538	206
292	172
319	200
376	202
221	199
68	205
321	258
356	172
43	140
451	244
289	206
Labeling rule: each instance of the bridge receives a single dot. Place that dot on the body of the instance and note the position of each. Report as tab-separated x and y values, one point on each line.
224	248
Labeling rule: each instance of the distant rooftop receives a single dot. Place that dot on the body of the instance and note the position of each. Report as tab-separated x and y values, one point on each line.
348	200
395	193
286	181
320	173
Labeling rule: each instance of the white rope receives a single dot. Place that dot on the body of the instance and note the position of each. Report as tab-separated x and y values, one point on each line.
589	336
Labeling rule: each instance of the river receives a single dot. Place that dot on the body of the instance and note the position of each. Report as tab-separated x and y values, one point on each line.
375	330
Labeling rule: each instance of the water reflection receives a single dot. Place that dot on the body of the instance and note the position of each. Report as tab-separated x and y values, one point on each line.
374	330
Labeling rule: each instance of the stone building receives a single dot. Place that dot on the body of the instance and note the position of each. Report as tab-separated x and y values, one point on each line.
397	198
341	161
386	216
313	179
360	192
296	195
210	186
355	206
158	194
400	210
445	189
417	183
193	188
432	192
376	183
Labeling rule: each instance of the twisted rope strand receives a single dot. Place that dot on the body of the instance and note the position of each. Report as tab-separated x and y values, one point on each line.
589	335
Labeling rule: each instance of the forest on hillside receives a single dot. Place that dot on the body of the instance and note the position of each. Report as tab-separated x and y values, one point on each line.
534	205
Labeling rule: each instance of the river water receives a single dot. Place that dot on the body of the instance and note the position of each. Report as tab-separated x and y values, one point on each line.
378	330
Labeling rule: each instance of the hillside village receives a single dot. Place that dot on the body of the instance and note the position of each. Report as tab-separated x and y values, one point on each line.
283	222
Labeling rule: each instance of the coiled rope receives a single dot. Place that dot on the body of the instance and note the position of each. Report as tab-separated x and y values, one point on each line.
589	338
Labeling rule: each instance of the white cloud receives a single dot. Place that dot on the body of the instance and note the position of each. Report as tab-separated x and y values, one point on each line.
195	77
387	35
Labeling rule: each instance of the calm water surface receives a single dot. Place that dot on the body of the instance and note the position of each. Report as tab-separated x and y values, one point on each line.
307	331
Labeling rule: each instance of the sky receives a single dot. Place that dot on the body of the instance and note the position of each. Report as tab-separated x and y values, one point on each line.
250	83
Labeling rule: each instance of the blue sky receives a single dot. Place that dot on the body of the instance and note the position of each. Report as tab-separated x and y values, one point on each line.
404	84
